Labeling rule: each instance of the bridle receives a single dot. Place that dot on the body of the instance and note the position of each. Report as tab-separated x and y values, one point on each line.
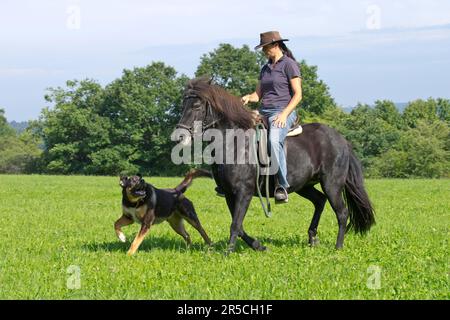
209	111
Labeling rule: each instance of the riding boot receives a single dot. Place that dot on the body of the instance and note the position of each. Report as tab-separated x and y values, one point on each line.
280	193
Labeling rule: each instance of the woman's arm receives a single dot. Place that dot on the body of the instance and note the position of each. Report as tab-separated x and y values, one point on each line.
252	97
296	85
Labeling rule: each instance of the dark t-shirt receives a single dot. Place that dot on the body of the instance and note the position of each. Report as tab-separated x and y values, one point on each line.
275	86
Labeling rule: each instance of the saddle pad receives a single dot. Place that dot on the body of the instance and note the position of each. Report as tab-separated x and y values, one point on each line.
263	144
295	131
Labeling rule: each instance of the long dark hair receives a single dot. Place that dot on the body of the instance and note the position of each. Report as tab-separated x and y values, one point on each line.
286	50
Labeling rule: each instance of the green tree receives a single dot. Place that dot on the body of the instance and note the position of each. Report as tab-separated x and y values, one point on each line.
443	110
144	106
72	131
18	154
5	129
422	151
235	69
125	126
370	135
387	111
426	110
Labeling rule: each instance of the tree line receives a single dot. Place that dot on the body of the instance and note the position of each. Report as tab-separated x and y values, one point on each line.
125	126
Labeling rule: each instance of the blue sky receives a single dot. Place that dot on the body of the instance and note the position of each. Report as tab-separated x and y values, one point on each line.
365	50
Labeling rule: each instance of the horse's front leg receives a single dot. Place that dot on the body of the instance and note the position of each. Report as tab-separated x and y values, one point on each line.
238	204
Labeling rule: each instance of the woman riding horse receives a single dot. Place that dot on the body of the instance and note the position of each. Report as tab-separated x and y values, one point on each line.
279	89
319	155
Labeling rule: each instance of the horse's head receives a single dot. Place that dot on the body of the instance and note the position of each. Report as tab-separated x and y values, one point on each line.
206	104
198	114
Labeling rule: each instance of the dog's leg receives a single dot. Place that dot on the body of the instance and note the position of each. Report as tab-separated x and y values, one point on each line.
196	224
122	222
145	228
176	222
188	212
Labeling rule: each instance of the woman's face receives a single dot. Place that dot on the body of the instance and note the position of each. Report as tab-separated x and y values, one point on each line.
271	50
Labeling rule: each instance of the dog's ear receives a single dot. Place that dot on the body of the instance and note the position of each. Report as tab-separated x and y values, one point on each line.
139	175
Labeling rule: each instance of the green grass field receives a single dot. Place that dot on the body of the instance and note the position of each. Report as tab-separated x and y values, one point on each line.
51	227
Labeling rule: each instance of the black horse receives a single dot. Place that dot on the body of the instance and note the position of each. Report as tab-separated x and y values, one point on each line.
318	155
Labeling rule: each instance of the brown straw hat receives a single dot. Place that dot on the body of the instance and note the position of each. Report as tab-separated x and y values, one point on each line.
269	38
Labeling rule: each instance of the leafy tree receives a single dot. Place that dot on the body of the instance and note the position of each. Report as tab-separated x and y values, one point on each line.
144	106
123	127
370	136
443	110
235	69
5	129
18	154
419	110
72	130
387	111
422	151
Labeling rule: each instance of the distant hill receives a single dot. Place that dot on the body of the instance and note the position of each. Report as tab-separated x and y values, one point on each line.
19	126
400	107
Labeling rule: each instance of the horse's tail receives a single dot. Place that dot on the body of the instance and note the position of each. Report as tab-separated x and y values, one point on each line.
191	175
360	209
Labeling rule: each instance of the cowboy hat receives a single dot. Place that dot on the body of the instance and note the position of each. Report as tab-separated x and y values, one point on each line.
269	38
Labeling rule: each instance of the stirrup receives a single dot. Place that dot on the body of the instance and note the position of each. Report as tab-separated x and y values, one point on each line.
281	195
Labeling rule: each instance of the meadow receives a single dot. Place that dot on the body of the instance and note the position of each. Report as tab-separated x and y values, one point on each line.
57	242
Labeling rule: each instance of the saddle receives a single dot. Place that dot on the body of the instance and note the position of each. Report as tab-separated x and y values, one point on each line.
294	131
263	124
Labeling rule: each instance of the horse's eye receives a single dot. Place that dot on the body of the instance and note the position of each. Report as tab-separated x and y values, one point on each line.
196	105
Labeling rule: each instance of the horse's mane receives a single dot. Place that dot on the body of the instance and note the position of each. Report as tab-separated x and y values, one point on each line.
223	102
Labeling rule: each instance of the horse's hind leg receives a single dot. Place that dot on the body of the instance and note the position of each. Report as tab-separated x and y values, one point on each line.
253	243
333	189
319	200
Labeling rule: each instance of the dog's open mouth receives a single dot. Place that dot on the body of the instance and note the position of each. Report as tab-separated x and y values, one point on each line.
138	193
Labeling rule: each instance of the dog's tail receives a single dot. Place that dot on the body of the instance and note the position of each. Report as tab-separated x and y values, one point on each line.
191	175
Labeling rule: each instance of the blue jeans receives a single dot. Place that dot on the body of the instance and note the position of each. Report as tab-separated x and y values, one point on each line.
276	141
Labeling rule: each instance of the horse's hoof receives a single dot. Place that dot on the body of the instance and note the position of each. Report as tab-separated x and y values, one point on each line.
314	242
258	246
209	248
229	251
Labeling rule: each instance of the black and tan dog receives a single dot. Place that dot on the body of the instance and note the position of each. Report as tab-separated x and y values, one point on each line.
147	205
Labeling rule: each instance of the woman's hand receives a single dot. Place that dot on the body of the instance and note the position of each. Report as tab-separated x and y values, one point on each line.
245	99
280	120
